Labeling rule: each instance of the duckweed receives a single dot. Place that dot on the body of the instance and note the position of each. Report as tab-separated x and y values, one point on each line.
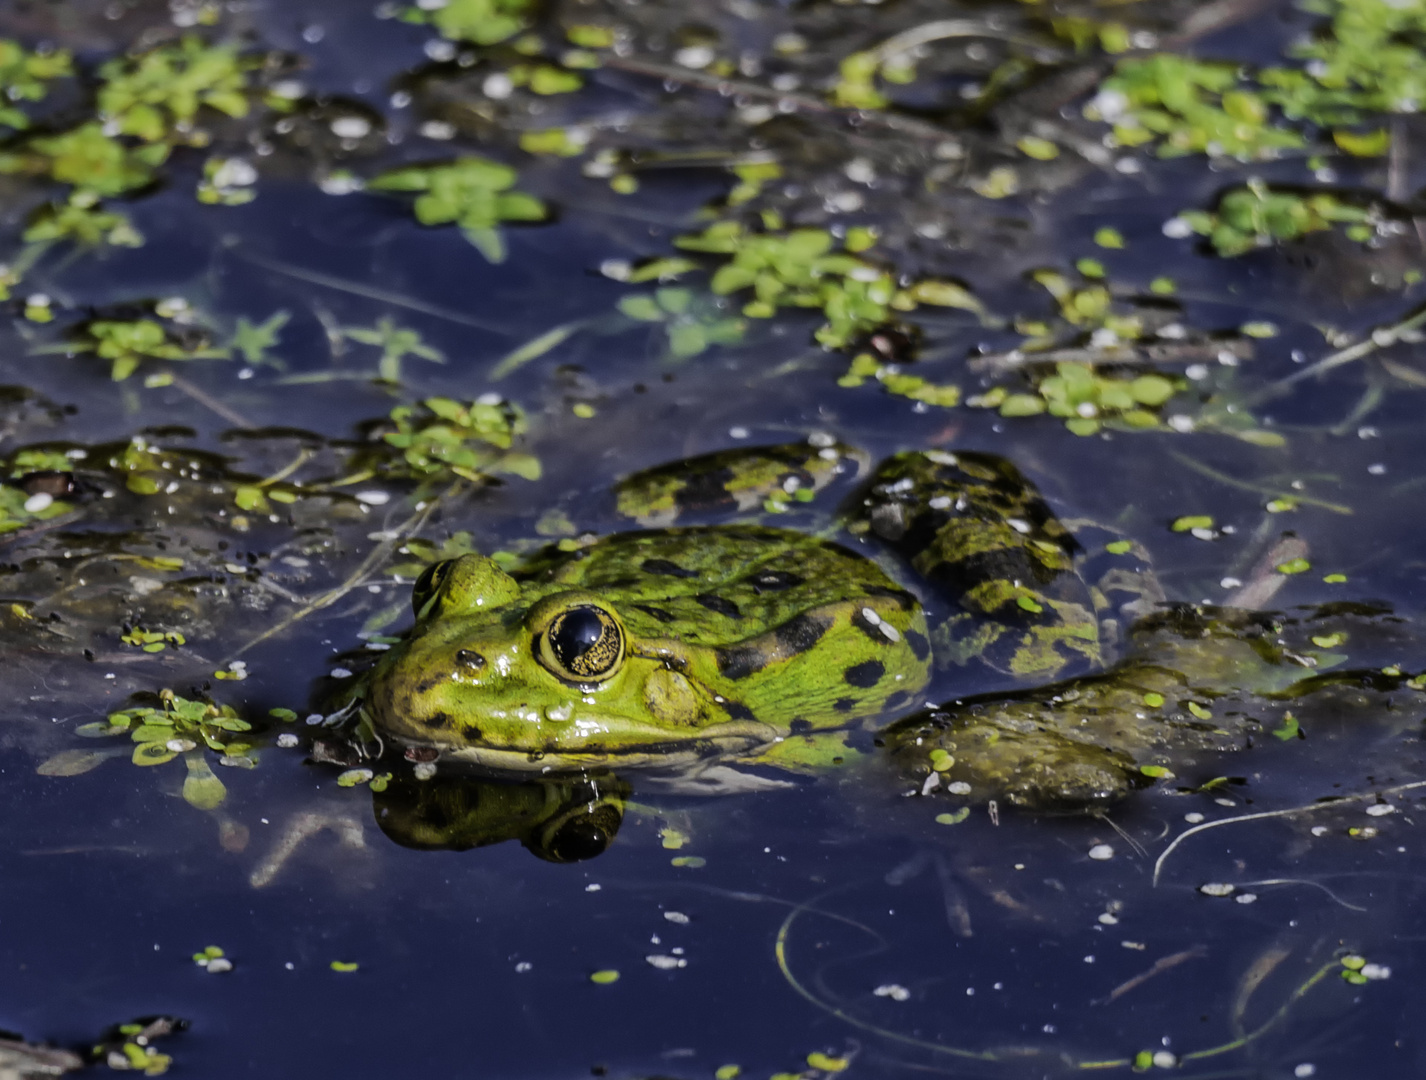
443	437
128	343
178	726
25	76
396	343
691	322
471	192
481	22
1256	215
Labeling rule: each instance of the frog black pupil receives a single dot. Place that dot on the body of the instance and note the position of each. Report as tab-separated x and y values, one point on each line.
585	641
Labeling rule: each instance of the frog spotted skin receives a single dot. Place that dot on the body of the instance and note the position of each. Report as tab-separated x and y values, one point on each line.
656	648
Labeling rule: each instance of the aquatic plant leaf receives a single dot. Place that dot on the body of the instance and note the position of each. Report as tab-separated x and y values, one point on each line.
201	788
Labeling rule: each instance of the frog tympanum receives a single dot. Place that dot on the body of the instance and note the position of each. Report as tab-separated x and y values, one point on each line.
679	648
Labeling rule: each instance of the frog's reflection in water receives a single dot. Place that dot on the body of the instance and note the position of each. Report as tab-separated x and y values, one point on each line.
561	820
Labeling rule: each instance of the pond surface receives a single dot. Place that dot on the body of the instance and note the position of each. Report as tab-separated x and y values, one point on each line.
1130	294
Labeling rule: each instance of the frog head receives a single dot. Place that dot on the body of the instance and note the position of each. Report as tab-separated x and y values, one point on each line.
537	676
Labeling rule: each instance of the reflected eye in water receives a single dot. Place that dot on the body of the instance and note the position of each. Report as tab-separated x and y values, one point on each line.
583	835
584	643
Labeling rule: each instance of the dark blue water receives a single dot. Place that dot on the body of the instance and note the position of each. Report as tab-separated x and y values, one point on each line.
833	917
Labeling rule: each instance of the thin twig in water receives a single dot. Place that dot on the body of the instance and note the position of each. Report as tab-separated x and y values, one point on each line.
943	29
1379	339
1292	811
798	102
1138	847
1138	353
1159	966
330	281
212	404
1254	977
1261	489
1301	881
357	578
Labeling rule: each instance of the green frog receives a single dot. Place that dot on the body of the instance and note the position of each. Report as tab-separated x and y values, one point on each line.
675	646
683	649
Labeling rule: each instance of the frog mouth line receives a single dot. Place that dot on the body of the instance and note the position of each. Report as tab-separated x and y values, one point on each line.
721	740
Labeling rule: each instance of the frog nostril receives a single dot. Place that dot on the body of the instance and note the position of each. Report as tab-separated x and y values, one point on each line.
467	658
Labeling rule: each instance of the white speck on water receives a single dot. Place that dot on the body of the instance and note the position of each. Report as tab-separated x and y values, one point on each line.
424	770
437	130
1231	583
1380	809
1175	228
1377	469
1108	919
1165	1060
39	501
665	963
350	127
960	787
1245	898
341	673
1225	802
373	498
593	887
738	433
523	966
694	56
1305	1070
894	991
313	719
1193	818
1089	959
1319	830
677	917
1376	971
440	50
498	86
1217	888
287	740
1101	852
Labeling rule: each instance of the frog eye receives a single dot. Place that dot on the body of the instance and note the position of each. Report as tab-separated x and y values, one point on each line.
584	643
429	584
579	836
